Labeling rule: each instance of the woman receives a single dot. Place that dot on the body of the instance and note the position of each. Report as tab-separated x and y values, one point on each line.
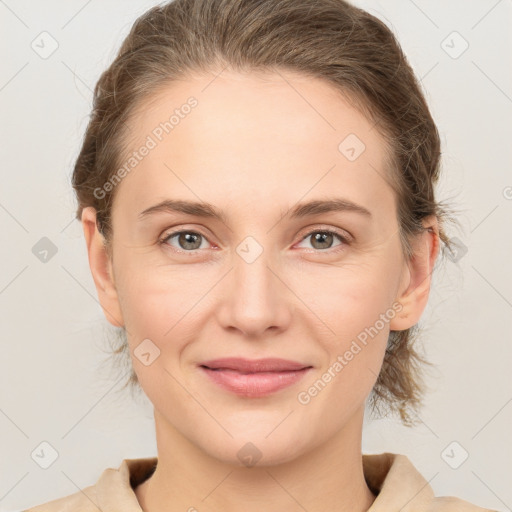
256	189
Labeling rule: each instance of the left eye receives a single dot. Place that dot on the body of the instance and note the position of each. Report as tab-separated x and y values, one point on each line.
322	240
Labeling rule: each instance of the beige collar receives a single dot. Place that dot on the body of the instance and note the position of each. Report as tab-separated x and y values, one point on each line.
397	482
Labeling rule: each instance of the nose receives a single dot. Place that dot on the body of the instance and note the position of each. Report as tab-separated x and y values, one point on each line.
256	298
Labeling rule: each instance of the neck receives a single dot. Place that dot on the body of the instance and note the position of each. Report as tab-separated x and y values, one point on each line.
328	477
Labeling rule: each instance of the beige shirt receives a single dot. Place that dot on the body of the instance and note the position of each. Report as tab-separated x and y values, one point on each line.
392	477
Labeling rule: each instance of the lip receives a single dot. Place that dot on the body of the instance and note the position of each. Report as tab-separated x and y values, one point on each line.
254	378
269	364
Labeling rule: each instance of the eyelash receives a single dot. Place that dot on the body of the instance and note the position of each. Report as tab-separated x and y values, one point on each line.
344	239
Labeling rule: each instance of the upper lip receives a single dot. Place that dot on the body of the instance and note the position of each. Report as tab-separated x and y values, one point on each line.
254	365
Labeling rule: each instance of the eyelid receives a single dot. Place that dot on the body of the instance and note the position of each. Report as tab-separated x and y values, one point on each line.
171	232
344	235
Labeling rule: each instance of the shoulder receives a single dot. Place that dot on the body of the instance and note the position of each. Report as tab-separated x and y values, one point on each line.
453	504
114	490
84	500
398	485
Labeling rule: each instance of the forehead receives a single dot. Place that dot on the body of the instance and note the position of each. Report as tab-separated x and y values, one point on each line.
254	137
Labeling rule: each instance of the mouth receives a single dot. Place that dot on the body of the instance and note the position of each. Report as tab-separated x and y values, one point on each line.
254	378
243	365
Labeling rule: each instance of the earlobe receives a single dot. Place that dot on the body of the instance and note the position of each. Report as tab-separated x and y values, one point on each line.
101	268
414	296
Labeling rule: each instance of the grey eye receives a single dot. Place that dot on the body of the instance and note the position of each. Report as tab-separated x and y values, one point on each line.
323	240
187	240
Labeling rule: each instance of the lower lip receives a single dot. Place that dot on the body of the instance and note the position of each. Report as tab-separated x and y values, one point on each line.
254	384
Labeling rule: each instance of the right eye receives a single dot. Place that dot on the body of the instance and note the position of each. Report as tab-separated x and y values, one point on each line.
188	241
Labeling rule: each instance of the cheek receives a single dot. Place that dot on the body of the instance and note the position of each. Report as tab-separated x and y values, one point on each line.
155	312
153	293
337	304
345	300
353	308
162	303
354	345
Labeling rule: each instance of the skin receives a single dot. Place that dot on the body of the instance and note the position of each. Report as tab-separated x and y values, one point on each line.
255	146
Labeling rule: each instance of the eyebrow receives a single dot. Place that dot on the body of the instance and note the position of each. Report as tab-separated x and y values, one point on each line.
207	210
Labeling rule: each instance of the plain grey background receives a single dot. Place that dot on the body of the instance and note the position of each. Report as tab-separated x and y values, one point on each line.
55	386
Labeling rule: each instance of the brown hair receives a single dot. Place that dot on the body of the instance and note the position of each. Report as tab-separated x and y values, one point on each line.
332	40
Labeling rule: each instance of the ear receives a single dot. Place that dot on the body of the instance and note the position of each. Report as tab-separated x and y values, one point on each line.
415	285
101	268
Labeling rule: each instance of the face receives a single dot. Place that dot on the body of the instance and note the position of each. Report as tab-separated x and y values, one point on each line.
268	277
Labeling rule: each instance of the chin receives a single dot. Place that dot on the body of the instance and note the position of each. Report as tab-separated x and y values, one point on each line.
257	449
